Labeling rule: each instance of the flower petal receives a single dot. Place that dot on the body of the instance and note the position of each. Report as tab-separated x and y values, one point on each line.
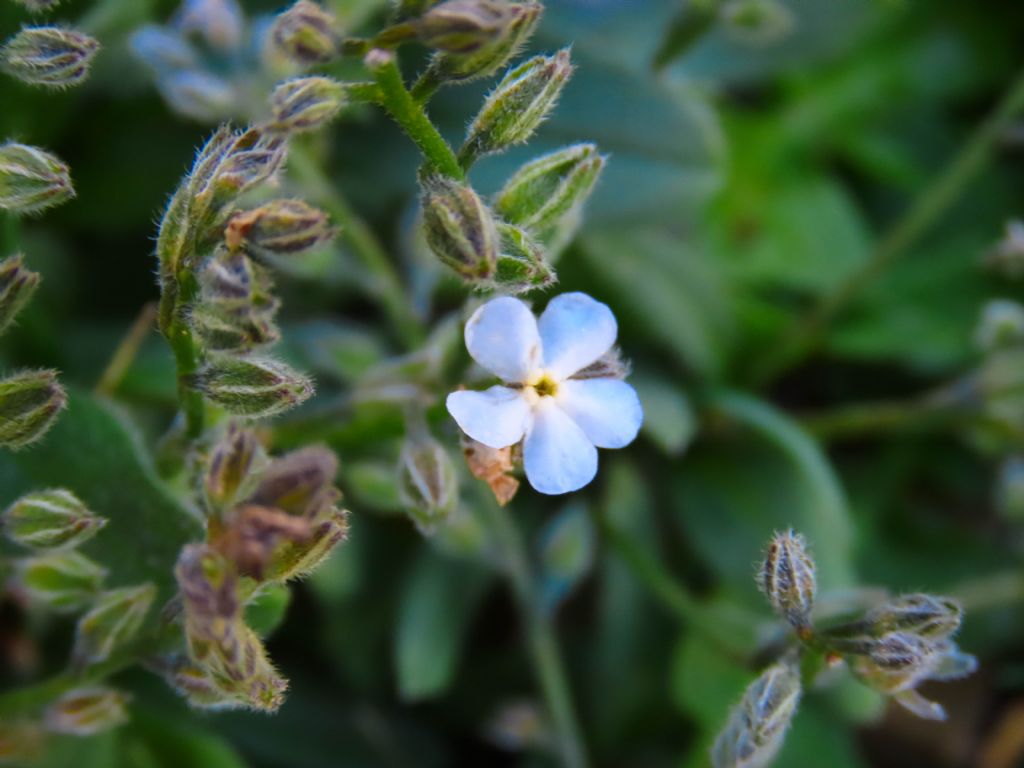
502	336
607	410
576	331
497	417
557	455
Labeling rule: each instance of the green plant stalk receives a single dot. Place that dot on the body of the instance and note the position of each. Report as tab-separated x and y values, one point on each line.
187	355
807	332
426	85
385	284
410	116
541	641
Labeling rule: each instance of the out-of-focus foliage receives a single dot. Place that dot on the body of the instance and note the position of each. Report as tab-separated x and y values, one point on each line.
763	157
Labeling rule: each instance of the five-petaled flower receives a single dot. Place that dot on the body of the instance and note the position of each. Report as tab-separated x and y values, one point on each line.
563	417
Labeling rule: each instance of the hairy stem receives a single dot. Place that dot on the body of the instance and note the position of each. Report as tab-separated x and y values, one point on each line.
409	114
807	332
187	355
542	643
385	283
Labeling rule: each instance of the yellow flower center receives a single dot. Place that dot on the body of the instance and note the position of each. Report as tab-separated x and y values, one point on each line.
546	386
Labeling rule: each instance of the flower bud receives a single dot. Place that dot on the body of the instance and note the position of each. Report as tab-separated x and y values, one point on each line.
896	661
300	483
87	711
253	157
514	24
254	387
65	581
219	22
427	483
306	103
296	559
29	404
928	616
32	180
198	94
279	228
249	535
49	56
236	331
522	265
757	726
17	286
50	519
545	190
305	34
232	467
463	26
459	228
517	105
787	578
1001	325
114	621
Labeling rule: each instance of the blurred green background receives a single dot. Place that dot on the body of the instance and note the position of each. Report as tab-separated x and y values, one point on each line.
747	180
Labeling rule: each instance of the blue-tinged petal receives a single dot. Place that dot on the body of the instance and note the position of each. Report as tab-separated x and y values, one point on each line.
576	330
607	410
557	455
497	417
502	336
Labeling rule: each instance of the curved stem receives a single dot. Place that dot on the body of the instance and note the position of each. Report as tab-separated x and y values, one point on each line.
541	640
807	332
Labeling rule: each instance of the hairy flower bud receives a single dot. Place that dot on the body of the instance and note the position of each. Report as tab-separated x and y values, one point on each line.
517	105
29	404
427	483
62	580
305	34
253	157
86	711
522	265
296	559
549	188
279	228
32	180
254	387
113	621
232	467
300	483
463	26
514	23
306	103
17	286
50	519
928	616
459	228
236	331
757	726
787	578
897	661
50	56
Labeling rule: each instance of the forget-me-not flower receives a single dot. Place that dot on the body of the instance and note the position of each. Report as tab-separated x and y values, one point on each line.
563	419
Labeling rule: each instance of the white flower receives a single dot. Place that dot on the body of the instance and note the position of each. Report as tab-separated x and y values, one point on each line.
564	420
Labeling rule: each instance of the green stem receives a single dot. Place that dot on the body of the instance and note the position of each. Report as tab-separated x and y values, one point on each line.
409	114
888	416
187	355
385	284
807	332
426	85
543	645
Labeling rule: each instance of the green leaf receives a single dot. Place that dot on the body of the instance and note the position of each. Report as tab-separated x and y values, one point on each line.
435	610
267	610
566	552
95	452
175	743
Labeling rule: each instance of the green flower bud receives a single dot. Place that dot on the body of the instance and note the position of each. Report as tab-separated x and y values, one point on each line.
232	330
49	56
252	158
897	661
517	105
459	228
32	180
757	726
296	559
928	616
232	467
463	26
515	24
427	484
29	404
547	189
114	621
50	519
306	103
279	228
300	483
522	265
787	578
17	286
65	581
87	711
254	387
305	34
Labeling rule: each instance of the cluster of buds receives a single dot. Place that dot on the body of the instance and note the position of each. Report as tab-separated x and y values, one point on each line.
54	57
268	521
509	244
